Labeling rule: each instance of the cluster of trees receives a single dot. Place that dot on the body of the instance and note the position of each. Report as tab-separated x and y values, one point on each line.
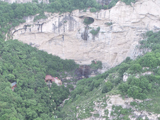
152	41
86	85
70	5
12	15
32	99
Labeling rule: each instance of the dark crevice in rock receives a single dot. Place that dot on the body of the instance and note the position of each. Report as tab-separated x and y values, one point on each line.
85	34
61	23
39	27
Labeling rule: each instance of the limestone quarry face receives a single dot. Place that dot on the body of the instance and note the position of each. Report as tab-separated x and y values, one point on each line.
121	29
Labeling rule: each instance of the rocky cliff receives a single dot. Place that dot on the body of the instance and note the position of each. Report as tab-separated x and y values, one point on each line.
66	35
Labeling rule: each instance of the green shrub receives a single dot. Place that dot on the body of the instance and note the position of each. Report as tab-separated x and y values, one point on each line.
133	103
40	16
96	65
123	87
135	68
107	87
70	87
112	3
95	32
128	2
96	115
123	68
109	23
93	10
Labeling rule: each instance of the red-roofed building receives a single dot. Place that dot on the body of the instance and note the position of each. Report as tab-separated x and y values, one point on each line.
49	79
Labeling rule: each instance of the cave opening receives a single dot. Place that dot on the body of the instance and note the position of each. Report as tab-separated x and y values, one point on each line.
88	20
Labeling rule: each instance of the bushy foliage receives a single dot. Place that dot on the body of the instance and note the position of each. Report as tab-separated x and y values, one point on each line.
12	15
111	4
32	99
70	5
128	2
152	41
40	16
96	65
135	68
93	10
95	32
107	87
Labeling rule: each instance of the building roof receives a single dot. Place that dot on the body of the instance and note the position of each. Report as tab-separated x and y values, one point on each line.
13	84
48	77
53	79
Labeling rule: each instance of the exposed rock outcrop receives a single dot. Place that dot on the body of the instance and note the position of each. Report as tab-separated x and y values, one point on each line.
116	100
121	29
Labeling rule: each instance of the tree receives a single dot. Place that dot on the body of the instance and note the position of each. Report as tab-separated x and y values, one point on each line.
135	68
107	87
123	87
134	91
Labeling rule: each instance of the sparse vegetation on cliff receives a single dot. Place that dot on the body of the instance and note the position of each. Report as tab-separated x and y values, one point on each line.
95	32
40	16
128	2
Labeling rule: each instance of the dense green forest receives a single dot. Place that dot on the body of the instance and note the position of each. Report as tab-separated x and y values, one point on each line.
32	99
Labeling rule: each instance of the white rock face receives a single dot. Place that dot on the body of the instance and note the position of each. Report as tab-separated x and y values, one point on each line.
125	77
62	35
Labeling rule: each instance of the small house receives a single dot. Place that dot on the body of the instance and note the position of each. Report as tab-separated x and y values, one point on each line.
49	79
13	85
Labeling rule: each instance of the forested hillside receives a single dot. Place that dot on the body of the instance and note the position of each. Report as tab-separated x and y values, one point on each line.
143	83
32	99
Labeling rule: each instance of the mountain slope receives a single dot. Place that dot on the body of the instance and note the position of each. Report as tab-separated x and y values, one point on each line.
98	98
27	66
